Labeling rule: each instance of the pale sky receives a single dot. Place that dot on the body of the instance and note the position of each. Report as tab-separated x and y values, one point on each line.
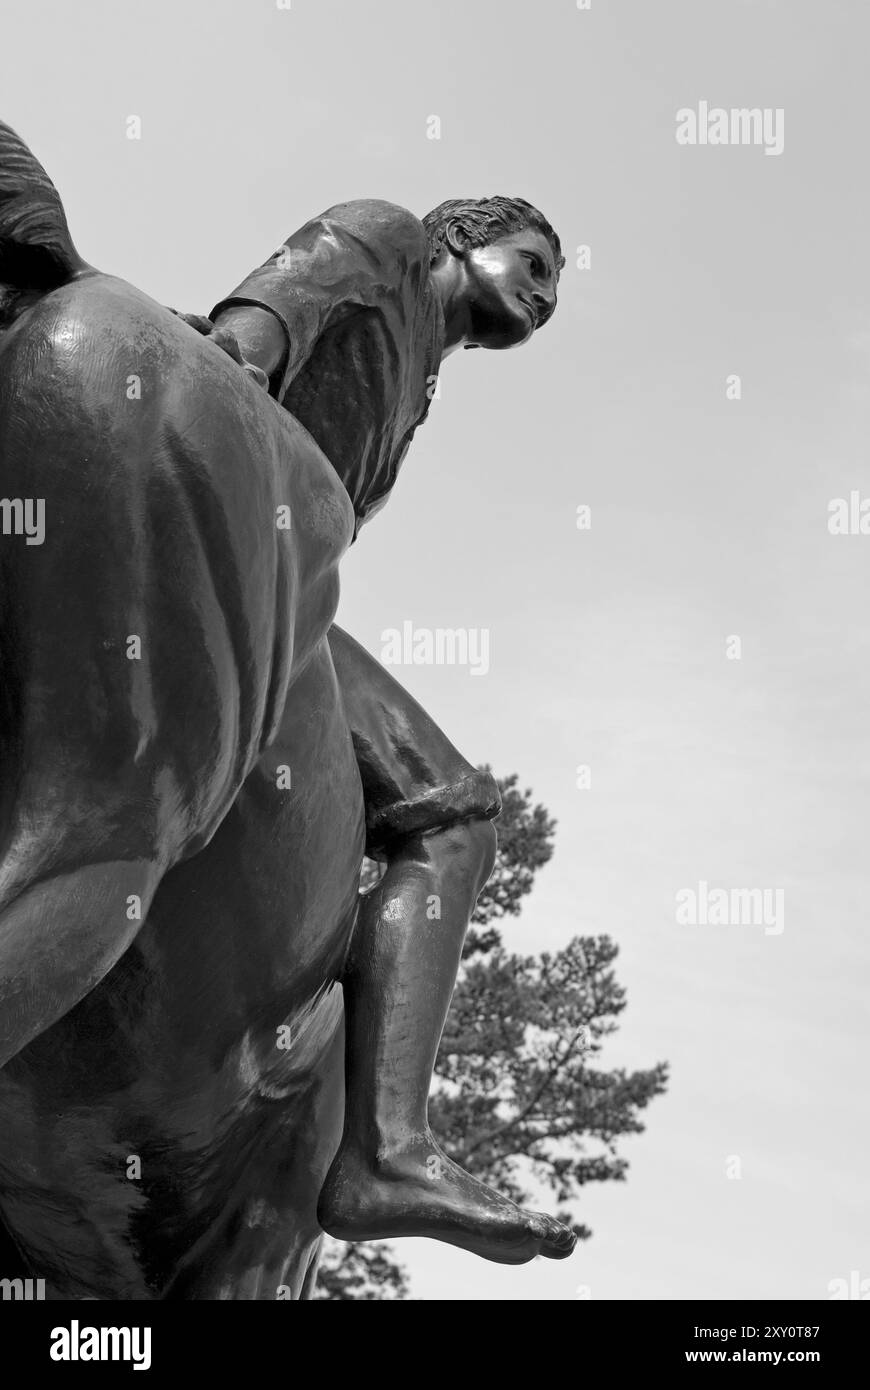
709	516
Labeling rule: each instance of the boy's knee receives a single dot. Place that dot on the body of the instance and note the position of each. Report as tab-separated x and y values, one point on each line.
482	841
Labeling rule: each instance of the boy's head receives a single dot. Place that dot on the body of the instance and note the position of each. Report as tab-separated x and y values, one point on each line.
508	258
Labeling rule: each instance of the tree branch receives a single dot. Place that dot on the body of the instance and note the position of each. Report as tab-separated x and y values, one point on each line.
554	1068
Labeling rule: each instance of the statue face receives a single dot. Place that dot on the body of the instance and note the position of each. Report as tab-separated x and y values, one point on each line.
511	287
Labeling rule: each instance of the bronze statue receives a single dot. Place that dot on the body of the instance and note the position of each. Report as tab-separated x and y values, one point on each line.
194	760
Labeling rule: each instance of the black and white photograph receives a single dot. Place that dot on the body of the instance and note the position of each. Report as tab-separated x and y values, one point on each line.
434	789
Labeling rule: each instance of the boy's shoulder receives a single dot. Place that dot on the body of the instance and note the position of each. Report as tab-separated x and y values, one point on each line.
384	226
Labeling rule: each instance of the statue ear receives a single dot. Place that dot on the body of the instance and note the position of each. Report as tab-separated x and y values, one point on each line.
457	237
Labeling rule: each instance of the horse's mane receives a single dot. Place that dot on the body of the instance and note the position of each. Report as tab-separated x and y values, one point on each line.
36	250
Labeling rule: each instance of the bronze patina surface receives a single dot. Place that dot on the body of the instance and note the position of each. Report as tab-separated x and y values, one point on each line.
211	1049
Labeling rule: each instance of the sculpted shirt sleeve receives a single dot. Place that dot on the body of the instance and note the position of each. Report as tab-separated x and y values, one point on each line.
356	255
413	778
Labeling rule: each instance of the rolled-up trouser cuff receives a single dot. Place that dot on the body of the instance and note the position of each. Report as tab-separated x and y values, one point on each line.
474	796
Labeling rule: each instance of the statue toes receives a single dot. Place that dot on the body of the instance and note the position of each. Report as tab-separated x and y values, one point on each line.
559	1240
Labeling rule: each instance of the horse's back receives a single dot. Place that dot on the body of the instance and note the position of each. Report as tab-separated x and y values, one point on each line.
164	603
150	640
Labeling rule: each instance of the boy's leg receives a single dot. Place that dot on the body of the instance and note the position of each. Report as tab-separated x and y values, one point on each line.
400	975
428	817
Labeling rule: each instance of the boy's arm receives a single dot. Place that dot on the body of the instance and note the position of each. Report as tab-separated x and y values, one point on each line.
356	255
258	338
256	328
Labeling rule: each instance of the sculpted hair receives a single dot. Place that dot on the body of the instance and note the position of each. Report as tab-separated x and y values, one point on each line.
485	220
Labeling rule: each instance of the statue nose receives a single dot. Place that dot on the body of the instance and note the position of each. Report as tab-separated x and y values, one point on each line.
544	304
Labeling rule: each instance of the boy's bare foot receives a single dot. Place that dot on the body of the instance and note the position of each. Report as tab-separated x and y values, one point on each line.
419	1191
